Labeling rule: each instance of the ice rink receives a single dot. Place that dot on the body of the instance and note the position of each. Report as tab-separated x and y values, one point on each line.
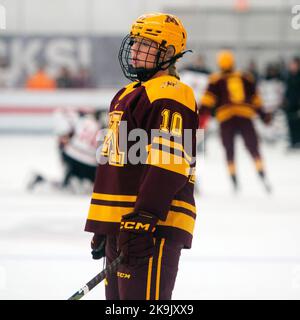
246	246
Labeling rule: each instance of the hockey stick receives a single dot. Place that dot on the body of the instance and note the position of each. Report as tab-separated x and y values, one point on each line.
97	279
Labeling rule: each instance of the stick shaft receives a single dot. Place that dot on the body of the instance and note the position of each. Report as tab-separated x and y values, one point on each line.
97	279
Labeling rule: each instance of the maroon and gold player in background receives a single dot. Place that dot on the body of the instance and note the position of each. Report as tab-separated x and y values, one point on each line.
146	210
232	98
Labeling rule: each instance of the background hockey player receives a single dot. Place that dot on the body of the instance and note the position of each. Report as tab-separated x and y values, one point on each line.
196	76
292	103
146	210
271	89
76	132
232	98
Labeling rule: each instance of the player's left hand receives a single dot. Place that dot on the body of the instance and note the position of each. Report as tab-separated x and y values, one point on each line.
136	237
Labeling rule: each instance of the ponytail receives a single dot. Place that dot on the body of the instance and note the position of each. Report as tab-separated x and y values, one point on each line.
173	71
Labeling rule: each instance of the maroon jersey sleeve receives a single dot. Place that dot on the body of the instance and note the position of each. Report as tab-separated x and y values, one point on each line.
254	96
171	129
210	98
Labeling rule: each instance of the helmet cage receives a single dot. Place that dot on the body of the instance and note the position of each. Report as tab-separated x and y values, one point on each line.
151	63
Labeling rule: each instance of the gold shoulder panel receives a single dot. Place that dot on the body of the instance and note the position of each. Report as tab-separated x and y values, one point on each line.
214	77
129	88
168	87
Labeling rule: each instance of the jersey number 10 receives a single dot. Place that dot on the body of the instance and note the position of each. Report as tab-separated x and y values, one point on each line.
175	128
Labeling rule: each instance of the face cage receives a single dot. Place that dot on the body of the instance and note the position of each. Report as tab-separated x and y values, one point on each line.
128	56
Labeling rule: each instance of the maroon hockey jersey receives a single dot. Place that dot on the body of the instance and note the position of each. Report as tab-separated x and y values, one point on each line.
158	177
231	94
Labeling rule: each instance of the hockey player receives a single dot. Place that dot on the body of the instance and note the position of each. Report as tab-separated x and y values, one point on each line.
146	210
292	103
79	152
77	147
232	98
196	76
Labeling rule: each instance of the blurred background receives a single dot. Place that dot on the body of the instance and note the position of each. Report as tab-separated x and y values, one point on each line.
59	70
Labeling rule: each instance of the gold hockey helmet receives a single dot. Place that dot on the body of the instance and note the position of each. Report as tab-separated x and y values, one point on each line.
165	33
165	29
225	60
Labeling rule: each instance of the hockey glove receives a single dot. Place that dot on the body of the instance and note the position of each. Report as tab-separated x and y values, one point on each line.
98	246
267	119
136	237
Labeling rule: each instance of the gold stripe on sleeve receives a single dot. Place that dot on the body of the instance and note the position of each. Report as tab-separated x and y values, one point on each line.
113	197
107	213
168	161
172	144
179	220
183	204
208	100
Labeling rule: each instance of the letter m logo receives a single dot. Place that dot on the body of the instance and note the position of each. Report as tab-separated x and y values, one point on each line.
171	20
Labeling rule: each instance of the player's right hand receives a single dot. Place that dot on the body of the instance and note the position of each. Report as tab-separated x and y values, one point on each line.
98	246
267	119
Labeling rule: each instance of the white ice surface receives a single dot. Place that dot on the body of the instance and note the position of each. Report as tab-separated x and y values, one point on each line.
246	246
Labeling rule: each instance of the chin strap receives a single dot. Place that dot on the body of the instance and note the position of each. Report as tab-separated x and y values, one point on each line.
172	60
